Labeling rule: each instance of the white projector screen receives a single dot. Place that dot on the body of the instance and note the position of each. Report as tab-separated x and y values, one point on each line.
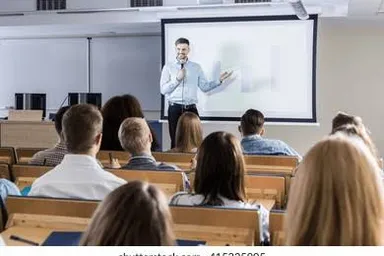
273	59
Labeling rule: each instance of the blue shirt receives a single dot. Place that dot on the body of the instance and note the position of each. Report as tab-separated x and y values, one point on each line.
8	188
184	92
255	144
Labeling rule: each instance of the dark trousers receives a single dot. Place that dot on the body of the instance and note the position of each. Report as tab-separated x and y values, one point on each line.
174	113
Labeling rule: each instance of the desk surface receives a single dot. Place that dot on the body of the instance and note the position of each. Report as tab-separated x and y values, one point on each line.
34	234
267	203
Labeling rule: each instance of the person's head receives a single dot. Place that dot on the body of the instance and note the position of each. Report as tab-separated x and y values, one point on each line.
337	196
135	136
351	129
189	132
220	169
182	48
82	129
58	120
343	118
135	214
252	122
114	111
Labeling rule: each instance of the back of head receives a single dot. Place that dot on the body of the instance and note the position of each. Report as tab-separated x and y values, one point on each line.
135	214
135	135
337	196
343	118
115	111
220	169
189	132
252	122
58	119
82	123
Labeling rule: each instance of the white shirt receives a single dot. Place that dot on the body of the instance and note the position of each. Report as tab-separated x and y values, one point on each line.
77	176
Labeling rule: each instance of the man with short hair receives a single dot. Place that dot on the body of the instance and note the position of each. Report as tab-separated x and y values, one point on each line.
79	175
252	130
179	82
136	138
53	156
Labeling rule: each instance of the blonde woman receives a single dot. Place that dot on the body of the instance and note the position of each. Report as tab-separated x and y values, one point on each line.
189	133
337	196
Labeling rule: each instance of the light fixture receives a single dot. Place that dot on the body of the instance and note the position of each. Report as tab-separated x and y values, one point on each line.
299	9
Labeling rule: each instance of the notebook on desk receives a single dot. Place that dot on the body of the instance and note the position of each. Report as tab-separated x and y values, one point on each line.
63	239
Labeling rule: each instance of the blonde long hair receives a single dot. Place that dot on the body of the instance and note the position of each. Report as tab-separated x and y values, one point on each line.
189	133
337	196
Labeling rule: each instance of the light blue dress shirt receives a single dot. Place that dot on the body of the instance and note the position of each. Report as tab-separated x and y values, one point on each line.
257	145
184	92
8	188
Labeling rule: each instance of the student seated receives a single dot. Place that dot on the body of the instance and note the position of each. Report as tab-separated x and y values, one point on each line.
343	122
219	178
252	129
115	111
337	197
189	133
79	175
136	138
135	214
53	156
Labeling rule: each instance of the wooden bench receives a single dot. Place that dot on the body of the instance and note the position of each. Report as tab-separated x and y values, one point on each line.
35	218
7	155
217	226
5	171
276	227
24	155
169	181
182	160
262	189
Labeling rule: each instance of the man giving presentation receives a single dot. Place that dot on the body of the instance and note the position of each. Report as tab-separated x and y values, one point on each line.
179	82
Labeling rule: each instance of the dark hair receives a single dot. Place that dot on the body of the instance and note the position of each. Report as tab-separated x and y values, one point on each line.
115	111
58	119
252	122
220	169
182	40
343	118
135	214
189	133
81	124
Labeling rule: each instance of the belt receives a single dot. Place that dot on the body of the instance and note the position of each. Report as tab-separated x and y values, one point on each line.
182	105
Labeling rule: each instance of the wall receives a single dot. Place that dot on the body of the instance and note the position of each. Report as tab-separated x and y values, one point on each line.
350	78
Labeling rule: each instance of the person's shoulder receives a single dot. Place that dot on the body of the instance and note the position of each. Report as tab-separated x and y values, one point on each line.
185	198
164	166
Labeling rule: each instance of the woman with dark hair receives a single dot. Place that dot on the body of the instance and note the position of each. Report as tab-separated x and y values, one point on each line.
115	111
135	214
189	133
219	178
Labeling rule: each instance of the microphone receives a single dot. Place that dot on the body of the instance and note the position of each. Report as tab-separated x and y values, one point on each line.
182	65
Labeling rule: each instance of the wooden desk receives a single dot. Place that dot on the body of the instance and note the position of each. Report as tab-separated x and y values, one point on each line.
27	134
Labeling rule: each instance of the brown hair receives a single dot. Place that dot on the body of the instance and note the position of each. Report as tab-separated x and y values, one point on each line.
189	133
343	118
59	118
251	122
337	197
135	214
220	169
353	125
115	111
81	124
134	135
